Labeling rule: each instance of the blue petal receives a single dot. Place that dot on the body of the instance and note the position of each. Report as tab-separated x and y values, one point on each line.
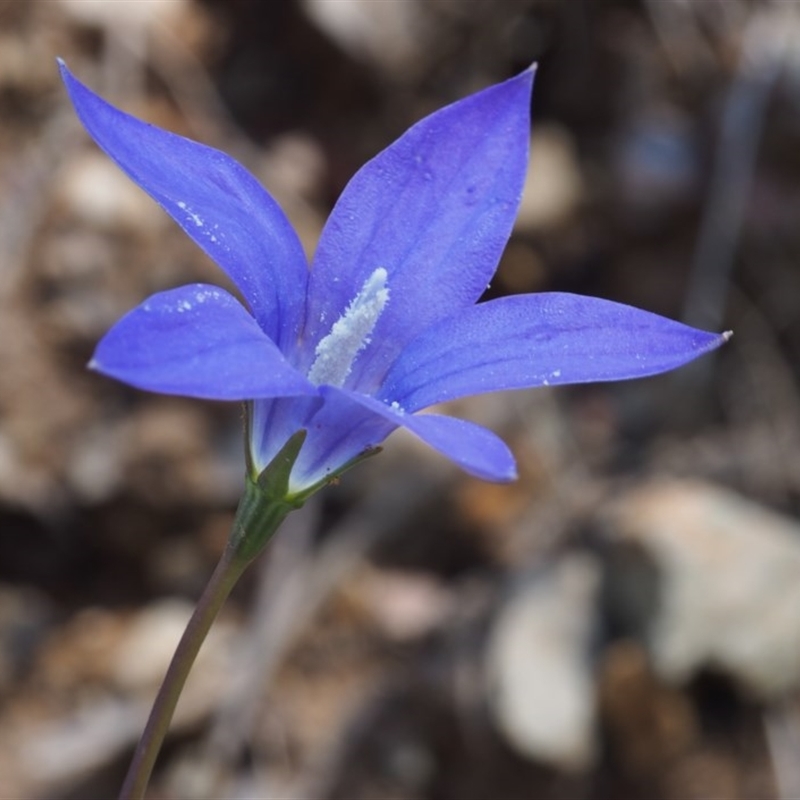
216	201
475	449
273	421
197	341
435	209
535	340
337	429
342	425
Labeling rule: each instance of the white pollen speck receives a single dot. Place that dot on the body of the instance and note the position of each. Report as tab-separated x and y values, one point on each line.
395	406
556	373
196	218
350	334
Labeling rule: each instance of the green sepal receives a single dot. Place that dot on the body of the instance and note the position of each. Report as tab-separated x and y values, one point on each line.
266	501
257	519
273	480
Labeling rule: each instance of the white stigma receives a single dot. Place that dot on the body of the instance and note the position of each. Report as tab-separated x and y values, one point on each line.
350	333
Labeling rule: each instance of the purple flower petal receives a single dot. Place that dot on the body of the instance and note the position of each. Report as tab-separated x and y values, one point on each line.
274	420
338	429
475	449
216	201
434	209
197	341
535	340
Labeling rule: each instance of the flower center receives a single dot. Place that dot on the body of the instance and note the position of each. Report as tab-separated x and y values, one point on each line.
350	334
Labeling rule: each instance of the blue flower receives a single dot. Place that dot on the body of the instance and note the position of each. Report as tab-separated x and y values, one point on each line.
384	323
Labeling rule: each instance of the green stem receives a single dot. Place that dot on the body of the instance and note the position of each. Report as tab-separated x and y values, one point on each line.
257	519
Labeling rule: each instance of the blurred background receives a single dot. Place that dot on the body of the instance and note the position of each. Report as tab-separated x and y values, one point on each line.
623	621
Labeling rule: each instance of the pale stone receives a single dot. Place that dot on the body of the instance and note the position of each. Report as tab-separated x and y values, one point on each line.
124	12
389	34
541	687
554	184
728	583
99	193
146	650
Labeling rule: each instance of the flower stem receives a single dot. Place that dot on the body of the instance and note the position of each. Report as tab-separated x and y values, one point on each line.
257	519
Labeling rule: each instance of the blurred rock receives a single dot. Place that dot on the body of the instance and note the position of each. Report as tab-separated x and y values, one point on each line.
26	63
91	690
79	653
728	583
295	164
554	183
294	168
143	655
385	34
124	12
405	604
49	755
169	455
94	469
100	194
542	690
